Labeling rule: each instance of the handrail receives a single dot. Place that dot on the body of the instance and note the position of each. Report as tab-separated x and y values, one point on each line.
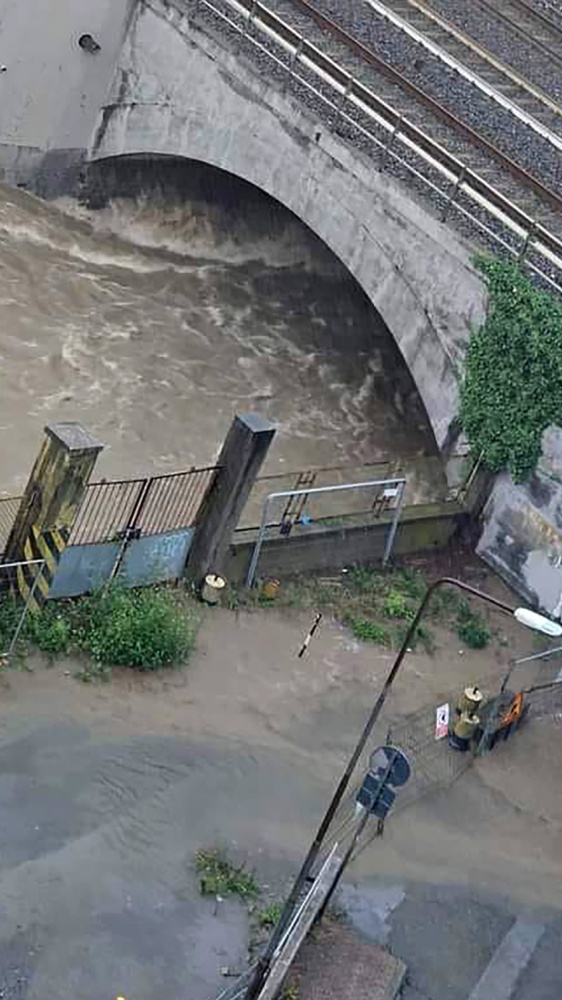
535	236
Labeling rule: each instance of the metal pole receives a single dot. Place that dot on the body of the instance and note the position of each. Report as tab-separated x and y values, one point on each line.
337	488
394	526
259	542
343	864
263	965
30	596
360	827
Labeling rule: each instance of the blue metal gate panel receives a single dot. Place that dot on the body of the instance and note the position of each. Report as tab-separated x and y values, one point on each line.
155	558
82	568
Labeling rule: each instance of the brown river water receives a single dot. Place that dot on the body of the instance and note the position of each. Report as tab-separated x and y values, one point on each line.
155	318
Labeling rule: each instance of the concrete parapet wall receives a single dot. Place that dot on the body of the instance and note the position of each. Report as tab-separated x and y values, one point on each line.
317	549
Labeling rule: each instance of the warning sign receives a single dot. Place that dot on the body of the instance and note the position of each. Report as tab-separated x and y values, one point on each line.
441	721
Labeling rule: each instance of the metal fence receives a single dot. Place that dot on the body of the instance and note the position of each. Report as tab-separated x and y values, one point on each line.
148	506
386	497
425	483
16	578
8	509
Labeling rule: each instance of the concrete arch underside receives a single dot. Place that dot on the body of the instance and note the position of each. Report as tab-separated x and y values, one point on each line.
179	91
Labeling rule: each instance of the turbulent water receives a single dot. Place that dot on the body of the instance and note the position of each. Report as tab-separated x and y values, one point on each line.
154	321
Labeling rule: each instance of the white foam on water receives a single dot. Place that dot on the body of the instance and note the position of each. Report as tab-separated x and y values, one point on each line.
154	325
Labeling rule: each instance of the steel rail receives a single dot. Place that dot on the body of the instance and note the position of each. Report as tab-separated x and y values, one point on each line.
453	30
533	12
429	102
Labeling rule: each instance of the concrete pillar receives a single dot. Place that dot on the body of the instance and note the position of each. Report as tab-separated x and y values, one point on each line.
50	504
240	460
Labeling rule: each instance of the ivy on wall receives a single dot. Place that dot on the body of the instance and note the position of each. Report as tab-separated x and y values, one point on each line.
512	381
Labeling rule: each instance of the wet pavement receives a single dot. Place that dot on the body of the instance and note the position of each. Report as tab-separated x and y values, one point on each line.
107	791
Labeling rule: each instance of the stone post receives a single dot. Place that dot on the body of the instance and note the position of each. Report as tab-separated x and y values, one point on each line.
240	460
50	503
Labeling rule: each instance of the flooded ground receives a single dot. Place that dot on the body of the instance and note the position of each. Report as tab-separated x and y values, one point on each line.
107	790
156	317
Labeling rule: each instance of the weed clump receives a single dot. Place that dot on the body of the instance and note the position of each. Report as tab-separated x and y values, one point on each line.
474	632
220	877
270	915
378	605
367	630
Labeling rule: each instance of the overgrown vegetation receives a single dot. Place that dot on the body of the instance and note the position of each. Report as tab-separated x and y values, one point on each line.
144	628
9	616
378	605
474	633
291	992
512	384
218	876
367	630
269	916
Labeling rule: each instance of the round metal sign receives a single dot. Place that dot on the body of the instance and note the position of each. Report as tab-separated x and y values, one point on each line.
400	769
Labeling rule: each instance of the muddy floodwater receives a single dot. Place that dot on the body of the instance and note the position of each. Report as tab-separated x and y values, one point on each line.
156	316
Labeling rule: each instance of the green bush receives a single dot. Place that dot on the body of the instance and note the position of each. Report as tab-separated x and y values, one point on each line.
512	384
411	582
137	628
396	605
474	632
367	630
145	628
50	629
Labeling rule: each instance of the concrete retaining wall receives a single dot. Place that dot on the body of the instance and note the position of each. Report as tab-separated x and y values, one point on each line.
316	549
522	529
178	92
51	90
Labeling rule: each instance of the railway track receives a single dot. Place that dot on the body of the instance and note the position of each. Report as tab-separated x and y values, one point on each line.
411	135
502	123
483	67
529	23
477	148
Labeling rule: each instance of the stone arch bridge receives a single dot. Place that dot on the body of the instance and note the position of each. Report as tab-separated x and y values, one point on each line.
183	89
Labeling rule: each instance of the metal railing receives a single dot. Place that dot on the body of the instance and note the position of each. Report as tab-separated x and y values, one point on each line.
386	496
9	507
147	506
505	225
106	511
150	506
426	483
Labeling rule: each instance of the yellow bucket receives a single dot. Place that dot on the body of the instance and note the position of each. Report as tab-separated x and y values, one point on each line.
270	589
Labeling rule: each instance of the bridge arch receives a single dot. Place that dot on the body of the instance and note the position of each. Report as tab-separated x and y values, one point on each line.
179	92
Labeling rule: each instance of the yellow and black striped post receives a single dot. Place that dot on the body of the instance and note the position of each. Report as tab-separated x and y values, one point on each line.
49	507
47	545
